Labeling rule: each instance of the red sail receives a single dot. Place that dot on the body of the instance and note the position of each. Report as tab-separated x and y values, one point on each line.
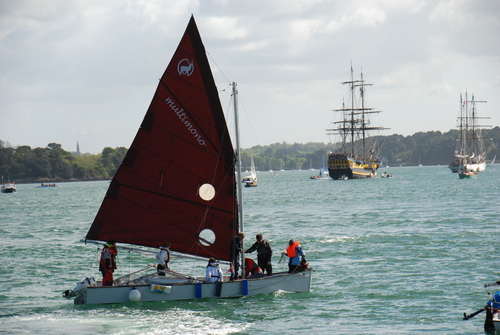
162	191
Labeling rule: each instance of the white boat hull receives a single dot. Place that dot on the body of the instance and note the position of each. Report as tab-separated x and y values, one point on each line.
496	321
480	167
296	282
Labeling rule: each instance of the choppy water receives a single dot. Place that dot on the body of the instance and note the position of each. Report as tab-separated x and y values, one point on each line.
407	254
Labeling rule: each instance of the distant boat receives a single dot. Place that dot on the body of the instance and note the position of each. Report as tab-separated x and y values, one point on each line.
9	187
325	169
321	175
178	183
470	155
42	185
357	157
463	174
386	175
251	181
493	161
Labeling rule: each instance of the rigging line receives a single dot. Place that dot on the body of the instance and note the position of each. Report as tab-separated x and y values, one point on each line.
217	66
240	102
218	190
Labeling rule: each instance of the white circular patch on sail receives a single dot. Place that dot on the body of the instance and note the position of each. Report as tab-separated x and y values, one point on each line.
207	237
206	192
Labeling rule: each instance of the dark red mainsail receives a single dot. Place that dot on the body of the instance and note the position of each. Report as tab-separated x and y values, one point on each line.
178	178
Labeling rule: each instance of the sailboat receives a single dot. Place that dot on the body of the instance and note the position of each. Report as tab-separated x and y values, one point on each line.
323	173
325	170
356	158
177	183
470	156
251	181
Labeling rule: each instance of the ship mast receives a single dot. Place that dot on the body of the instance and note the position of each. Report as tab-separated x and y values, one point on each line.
238	169
355	122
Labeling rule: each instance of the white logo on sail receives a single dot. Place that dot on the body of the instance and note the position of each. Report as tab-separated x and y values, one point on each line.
184	119
185	67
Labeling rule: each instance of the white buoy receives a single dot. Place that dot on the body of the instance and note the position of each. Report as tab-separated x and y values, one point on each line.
134	295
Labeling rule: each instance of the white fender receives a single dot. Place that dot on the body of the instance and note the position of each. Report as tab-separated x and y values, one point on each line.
134	295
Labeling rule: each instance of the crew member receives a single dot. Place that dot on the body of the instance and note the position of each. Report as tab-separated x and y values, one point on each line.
295	256
252	268
163	258
107	263
213	272
264	254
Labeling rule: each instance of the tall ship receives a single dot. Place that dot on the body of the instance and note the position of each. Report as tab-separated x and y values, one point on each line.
355	156
470	156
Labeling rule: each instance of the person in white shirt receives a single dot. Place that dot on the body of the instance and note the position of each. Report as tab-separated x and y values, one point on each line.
163	258
213	272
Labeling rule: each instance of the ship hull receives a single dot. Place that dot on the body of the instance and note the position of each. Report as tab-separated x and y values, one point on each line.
344	167
295	282
479	167
454	167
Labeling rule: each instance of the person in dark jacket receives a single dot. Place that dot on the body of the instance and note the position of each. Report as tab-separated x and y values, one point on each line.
264	254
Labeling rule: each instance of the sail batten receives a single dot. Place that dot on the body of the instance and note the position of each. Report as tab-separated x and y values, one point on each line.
178	177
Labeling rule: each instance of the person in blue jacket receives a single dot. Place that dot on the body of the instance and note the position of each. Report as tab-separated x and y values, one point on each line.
295	256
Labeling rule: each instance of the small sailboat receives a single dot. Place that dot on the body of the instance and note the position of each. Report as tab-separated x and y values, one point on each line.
321	175
325	169
177	183
251	181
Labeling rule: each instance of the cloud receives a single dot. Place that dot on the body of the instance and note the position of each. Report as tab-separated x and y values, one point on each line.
85	70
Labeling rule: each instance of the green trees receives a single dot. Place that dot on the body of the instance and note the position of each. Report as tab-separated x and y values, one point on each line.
54	163
430	148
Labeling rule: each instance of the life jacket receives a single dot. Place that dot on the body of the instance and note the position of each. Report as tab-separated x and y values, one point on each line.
291	250
108	249
251	267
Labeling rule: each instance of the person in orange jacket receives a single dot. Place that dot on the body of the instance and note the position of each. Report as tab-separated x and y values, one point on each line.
107	263
295	256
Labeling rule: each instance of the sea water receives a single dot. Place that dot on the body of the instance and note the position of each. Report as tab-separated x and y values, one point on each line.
408	254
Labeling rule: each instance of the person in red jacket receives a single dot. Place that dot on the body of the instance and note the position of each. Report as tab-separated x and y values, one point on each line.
252	268
107	264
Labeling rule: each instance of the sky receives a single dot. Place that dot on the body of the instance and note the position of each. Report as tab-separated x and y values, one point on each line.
85	71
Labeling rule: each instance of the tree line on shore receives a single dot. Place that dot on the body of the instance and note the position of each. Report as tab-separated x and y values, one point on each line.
53	163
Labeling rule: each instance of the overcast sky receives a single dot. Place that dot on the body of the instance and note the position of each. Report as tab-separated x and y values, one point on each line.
85	70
